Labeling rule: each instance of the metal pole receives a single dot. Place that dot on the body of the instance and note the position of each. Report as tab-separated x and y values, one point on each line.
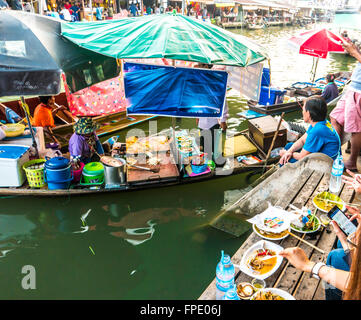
24	106
183	6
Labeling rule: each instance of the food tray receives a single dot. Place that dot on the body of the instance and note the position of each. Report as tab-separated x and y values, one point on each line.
168	171
148	144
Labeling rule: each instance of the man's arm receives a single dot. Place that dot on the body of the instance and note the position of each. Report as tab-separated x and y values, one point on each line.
352	49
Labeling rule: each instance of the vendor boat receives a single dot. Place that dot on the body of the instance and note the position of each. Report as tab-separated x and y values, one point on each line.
168	172
292	98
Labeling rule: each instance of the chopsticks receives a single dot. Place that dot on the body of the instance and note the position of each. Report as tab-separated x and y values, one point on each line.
306	242
346	203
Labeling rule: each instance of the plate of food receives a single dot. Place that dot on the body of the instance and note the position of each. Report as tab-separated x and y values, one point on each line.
306	224
270	235
261	260
272	294
325	201
245	290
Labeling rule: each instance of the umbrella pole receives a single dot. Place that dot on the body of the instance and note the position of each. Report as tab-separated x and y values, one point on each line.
23	104
314	73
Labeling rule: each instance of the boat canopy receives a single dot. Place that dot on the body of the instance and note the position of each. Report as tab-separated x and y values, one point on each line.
82	67
26	67
169	36
174	91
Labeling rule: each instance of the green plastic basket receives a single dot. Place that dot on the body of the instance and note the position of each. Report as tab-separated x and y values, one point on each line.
35	177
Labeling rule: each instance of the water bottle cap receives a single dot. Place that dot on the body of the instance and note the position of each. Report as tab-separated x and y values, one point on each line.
226	259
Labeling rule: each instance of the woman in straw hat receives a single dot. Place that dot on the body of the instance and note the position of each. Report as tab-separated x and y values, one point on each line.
84	141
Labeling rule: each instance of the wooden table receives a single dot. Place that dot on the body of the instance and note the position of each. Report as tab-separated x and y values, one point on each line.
295	282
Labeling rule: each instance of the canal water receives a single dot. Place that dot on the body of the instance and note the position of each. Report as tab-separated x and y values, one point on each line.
152	244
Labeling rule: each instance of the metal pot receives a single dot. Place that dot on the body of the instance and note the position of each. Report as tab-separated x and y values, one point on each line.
114	176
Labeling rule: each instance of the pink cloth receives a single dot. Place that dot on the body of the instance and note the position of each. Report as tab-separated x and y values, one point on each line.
348	111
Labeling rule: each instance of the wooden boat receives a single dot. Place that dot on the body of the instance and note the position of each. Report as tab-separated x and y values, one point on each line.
299	94
64	124
154	180
255	26
279	188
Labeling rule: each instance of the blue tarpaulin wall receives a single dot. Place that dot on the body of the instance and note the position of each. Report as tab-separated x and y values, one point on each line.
173	91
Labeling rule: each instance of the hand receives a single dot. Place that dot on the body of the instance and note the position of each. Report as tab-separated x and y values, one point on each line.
340	235
297	257
223	126
354	181
286	157
354	214
351	48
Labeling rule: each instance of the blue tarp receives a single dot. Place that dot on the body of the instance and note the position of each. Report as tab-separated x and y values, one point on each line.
173	91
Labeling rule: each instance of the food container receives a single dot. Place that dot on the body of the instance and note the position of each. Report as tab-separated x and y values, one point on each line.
58	173
77	173
93	174
114	176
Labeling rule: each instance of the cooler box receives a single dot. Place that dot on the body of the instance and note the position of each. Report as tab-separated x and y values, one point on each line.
263	129
12	158
275	96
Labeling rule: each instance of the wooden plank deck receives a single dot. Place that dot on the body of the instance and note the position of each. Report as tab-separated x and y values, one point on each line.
287	278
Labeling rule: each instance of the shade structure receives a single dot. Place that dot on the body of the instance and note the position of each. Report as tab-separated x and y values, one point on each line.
317	43
82	67
169	36
26	67
174	92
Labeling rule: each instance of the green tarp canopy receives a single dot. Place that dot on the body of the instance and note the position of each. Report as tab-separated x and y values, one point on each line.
168	36
348	21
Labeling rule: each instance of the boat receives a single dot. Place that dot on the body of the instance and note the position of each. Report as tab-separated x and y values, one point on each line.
255	26
64	124
170	172
278	189
297	93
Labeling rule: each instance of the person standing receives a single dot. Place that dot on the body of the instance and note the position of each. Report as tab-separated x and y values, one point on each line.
211	126
133	10
99	12
65	14
346	116
75	9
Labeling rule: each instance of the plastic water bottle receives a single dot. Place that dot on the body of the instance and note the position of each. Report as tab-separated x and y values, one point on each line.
224	275
336	175
231	294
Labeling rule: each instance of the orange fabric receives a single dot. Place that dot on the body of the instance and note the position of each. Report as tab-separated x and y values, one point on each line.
43	116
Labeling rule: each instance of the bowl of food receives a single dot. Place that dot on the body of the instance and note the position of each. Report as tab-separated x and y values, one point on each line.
245	290
306	224
270	235
272	294
261	260
325	201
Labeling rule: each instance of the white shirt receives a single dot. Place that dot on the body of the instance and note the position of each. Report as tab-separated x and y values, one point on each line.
207	123
66	14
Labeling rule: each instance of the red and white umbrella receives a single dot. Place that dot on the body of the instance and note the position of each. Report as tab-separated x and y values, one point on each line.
318	43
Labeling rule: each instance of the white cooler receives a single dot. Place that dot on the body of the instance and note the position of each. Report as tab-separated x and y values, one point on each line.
12	158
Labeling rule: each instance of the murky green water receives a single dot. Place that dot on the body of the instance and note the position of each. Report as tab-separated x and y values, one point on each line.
153	244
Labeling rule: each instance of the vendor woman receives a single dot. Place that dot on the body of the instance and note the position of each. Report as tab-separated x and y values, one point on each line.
330	91
84	143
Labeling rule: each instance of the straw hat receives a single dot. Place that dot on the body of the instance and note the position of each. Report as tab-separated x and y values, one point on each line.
85	125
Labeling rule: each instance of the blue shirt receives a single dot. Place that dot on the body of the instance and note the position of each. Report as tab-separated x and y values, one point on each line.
330	92
322	137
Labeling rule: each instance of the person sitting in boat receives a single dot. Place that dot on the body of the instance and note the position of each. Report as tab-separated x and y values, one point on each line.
44	115
84	144
320	136
330	91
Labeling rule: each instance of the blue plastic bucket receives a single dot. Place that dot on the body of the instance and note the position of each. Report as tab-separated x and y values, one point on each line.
58	173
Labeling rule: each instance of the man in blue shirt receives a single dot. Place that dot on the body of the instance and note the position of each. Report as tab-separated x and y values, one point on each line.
320	136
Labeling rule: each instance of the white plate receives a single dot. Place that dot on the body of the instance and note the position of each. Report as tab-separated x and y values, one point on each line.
282	293
300	231
258	245
267	238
